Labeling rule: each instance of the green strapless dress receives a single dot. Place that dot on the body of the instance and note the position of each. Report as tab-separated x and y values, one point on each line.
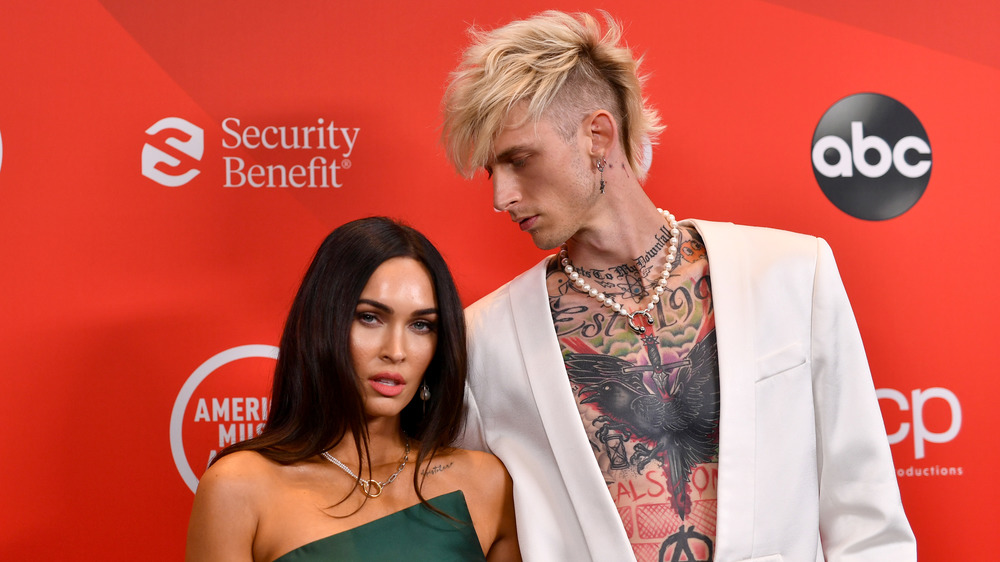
414	534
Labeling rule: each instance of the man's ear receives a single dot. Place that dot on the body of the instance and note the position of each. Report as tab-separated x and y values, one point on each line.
601	131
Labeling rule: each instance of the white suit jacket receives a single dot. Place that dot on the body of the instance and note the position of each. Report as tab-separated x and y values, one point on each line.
805	471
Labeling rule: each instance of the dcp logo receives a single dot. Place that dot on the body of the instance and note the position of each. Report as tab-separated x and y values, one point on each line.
921	433
871	156
174	148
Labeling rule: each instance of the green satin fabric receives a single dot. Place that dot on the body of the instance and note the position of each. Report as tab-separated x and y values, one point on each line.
415	534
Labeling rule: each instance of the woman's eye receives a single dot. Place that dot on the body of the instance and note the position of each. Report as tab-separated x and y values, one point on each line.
423	326
367	318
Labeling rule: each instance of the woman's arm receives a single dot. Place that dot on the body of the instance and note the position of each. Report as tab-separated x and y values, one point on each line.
505	546
224	515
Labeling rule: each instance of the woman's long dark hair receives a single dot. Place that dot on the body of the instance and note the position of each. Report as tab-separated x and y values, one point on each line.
316	396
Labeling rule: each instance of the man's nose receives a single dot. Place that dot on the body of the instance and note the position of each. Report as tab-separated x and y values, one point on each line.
506	192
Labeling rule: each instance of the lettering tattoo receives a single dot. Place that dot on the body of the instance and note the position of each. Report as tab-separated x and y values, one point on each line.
625	281
436	469
662	240
678	304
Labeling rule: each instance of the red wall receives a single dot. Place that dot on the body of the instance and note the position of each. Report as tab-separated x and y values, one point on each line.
117	292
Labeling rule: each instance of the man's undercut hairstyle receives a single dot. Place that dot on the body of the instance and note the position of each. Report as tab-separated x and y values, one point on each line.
564	67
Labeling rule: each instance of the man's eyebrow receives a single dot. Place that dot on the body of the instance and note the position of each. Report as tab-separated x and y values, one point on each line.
506	154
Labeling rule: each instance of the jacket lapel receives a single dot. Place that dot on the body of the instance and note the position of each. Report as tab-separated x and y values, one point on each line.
598	516
734	321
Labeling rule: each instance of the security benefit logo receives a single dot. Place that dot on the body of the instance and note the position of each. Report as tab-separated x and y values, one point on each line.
224	401
871	156
172	151
326	150
312	154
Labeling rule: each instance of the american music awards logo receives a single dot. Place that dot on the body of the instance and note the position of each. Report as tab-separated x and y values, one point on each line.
224	401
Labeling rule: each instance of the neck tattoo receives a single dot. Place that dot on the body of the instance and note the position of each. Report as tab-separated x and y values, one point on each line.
371	488
609	302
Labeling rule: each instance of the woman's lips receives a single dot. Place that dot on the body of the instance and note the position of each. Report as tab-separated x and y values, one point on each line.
387	384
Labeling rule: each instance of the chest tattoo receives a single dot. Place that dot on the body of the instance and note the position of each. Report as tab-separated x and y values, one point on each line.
650	402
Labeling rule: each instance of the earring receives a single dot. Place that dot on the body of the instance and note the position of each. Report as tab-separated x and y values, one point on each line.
600	168
425	395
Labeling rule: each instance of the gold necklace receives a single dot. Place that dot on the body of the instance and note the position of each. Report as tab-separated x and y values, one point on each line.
371	488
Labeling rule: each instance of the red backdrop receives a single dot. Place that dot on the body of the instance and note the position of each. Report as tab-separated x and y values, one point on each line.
127	303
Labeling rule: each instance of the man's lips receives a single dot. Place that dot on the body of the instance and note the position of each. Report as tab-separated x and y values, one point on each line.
387	384
527	223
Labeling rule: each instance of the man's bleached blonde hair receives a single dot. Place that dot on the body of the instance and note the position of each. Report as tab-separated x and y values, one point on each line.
564	66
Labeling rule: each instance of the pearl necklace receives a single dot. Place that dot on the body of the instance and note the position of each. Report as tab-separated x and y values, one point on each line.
368	485
610	301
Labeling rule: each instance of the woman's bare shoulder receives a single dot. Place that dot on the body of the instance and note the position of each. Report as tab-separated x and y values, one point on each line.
243	464
481	461
488	490
471	471
244	473
227	506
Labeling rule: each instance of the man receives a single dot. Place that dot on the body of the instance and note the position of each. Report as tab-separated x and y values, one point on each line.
645	404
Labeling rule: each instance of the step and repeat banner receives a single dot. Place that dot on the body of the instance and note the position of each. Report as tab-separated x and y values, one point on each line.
167	170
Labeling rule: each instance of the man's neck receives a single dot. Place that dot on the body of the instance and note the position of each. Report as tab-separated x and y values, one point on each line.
622	232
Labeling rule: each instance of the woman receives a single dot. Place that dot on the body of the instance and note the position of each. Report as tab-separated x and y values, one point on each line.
354	461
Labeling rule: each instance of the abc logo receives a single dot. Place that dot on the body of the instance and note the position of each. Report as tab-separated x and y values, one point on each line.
871	157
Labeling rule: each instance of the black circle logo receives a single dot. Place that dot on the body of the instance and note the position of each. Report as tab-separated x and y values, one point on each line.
871	157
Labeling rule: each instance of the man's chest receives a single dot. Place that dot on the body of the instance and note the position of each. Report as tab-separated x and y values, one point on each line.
649	403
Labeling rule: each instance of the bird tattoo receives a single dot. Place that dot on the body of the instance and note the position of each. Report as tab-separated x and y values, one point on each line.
672	410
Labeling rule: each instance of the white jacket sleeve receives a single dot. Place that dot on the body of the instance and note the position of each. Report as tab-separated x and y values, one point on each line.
861	515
